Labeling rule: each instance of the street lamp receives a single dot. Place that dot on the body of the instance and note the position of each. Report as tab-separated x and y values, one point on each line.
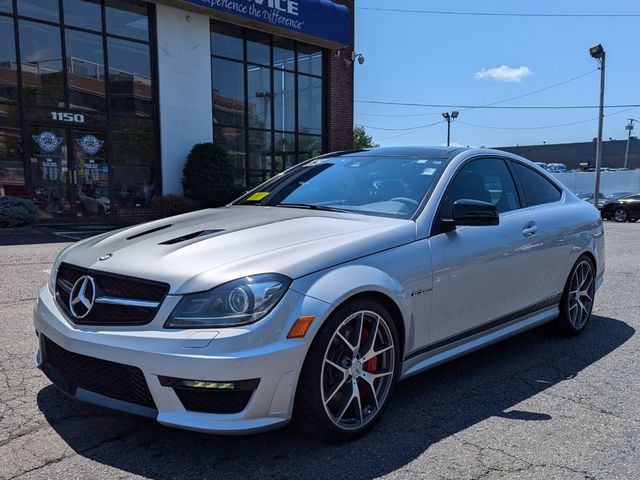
597	52
626	152
449	117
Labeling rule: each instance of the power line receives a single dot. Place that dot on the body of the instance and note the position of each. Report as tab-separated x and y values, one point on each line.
392	129
555	85
500	14
515	107
542	127
424	127
397	114
410	130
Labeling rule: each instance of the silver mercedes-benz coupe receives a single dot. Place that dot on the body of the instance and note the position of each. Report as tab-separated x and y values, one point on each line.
309	297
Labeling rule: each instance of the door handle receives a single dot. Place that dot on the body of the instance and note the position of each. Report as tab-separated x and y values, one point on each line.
529	229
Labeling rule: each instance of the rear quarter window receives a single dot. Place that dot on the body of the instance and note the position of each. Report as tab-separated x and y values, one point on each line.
537	189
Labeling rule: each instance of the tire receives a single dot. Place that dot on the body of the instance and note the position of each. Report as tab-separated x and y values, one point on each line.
577	299
620	215
338	398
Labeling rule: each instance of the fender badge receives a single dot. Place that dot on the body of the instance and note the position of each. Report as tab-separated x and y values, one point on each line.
105	257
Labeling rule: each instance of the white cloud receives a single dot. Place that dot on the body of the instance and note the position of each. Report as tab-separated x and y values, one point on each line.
504	73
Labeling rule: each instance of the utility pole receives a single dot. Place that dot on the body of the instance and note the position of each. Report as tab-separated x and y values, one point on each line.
449	117
626	153
597	52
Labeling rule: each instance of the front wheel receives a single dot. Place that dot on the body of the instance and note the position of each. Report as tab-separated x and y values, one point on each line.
620	215
349	373
577	299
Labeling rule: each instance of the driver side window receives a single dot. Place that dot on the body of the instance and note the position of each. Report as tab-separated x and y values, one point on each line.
487	180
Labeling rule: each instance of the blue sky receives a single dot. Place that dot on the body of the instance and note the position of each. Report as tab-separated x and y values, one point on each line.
438	59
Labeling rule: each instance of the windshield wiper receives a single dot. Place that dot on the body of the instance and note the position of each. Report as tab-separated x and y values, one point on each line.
312	207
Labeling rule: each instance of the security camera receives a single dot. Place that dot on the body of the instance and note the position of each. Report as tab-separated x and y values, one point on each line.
360	58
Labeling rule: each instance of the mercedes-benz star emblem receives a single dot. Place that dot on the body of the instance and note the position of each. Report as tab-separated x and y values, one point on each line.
83	294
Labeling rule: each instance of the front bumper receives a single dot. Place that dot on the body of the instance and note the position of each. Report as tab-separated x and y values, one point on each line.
259	351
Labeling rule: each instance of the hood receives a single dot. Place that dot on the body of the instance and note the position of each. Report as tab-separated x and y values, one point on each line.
200	250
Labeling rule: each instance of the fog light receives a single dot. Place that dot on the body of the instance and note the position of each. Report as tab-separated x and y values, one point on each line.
211	385
240	385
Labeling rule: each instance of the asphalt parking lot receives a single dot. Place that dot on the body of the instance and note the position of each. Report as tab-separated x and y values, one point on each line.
535	406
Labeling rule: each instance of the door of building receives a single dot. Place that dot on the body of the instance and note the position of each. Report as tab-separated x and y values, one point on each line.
69	174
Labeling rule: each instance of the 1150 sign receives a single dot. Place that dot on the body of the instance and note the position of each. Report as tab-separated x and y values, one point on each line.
68	117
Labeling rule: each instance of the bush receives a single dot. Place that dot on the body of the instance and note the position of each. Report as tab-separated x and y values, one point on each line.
171	205
208	176
15	212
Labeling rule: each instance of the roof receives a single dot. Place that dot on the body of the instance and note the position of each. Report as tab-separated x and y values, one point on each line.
430	152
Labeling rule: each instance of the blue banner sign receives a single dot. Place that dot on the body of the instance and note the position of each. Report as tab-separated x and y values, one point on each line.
321	19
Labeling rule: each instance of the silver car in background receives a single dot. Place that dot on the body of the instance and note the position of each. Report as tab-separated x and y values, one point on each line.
313	294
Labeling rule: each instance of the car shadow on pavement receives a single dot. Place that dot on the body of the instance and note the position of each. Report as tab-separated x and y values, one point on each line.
424	410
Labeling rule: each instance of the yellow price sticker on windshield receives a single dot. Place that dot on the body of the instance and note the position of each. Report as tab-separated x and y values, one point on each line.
256	197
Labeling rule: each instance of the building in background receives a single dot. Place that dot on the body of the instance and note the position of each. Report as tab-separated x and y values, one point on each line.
101	100
574	155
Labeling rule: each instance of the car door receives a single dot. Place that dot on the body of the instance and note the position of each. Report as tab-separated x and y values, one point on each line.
634	206
481	273
555	237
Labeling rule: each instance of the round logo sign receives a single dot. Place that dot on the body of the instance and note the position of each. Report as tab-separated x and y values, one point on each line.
47	141
82	297
90	144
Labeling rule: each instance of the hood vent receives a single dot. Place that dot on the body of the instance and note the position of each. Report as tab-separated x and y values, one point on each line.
190	236
147	232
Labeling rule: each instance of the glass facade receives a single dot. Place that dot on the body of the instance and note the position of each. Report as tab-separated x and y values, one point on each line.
267	100
78	121
79	106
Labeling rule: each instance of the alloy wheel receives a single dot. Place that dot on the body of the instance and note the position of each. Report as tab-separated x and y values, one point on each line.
581	294
620	215
357	370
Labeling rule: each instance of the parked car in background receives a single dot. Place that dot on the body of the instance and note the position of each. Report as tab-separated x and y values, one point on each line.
556	168
588	197
624	209
617	195
310	296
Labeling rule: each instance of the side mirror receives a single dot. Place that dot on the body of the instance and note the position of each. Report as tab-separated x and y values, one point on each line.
474	213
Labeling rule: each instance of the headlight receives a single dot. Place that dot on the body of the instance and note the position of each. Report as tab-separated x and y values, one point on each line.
240	302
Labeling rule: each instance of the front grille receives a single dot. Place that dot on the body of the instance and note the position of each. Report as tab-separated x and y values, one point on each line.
70	371
207	401
111	286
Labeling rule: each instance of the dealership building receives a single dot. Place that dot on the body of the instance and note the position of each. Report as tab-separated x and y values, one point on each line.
102	100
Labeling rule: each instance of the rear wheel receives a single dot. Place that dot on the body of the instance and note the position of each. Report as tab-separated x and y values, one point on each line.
578	296
349	373
620	215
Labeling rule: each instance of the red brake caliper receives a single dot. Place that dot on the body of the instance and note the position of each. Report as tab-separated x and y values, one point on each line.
370	365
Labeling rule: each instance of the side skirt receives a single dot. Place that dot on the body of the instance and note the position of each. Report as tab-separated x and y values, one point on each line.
441	352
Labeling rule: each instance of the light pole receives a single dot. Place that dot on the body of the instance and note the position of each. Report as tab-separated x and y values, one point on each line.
449	117
626	152
597	52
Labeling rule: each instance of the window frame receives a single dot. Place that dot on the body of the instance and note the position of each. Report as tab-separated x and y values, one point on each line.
107	115
548	178
437	226
245	35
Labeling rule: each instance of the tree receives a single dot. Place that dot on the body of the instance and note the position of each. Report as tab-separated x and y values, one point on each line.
362	140
208	176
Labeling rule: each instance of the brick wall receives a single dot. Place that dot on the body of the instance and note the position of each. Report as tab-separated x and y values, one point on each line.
339	92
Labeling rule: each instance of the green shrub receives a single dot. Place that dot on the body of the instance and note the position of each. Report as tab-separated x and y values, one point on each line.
171	205
15	212
208	176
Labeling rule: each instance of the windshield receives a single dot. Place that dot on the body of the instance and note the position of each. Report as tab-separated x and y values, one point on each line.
385	186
